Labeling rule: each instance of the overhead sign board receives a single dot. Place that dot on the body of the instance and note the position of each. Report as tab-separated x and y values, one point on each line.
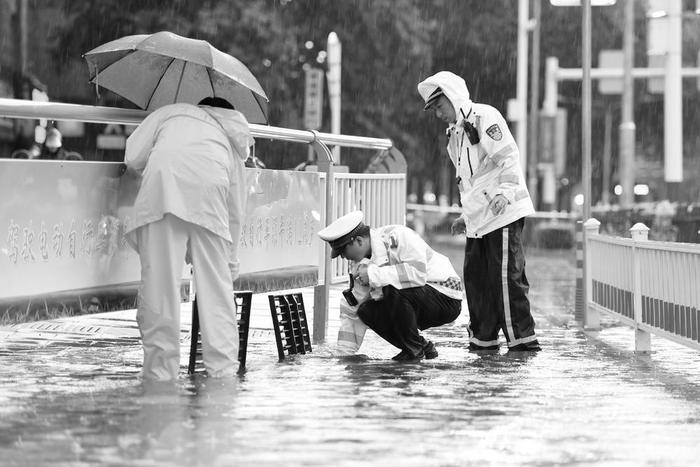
610	59
313	99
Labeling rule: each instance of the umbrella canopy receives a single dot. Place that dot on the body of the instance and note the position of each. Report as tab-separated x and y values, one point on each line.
153	70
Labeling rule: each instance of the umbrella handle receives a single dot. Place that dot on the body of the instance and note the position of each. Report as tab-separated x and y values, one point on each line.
97	79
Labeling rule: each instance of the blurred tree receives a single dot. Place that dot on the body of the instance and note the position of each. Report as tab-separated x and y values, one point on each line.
388	47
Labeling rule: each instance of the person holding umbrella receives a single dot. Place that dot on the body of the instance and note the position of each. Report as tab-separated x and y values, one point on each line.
191	196
190	205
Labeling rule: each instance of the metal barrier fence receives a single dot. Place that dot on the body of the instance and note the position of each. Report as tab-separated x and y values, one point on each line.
357	191
652	286
428	219
368	193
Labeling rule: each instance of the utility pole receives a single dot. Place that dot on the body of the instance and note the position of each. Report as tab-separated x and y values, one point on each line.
673	103
586	102
626	169
607	150
334	49
533	139
20	29
521	88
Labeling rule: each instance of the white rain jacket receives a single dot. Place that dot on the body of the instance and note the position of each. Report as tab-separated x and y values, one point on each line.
487	168
191	160
401	258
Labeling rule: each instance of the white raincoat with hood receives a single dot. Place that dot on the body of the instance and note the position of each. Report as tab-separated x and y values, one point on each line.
190	203
402	259
486	168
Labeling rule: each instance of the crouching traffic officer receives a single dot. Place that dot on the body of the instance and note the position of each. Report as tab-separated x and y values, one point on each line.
401	285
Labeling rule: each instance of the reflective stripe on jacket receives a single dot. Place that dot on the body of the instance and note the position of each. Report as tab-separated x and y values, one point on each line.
401	258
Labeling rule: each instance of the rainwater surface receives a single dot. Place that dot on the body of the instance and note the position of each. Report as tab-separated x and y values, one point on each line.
70	394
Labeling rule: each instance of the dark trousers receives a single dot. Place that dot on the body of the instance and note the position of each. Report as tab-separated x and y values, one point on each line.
399	315
496	287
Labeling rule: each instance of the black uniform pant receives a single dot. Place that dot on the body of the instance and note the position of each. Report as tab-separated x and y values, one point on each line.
496	288
399	315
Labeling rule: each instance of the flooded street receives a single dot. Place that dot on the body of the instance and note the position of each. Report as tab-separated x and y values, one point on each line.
70	394
258	138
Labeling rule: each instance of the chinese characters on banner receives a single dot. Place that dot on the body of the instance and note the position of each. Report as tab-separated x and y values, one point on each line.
62	225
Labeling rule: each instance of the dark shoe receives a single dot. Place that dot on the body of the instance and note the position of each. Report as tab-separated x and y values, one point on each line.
429	350
408	356
474	347
533	346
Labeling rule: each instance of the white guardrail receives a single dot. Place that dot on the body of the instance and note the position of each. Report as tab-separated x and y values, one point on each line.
652	286
381	197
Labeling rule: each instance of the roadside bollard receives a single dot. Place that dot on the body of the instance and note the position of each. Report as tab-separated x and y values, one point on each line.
642	339
591	315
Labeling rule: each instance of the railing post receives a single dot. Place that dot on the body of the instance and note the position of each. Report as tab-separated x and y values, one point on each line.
321	292
579	299
419	222
591	315
642	339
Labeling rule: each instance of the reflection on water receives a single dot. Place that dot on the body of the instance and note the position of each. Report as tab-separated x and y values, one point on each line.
70	400
64	406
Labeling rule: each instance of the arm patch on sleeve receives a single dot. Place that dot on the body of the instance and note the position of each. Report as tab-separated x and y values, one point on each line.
494	131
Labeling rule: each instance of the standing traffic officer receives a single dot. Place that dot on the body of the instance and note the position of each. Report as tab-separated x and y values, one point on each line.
494	201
